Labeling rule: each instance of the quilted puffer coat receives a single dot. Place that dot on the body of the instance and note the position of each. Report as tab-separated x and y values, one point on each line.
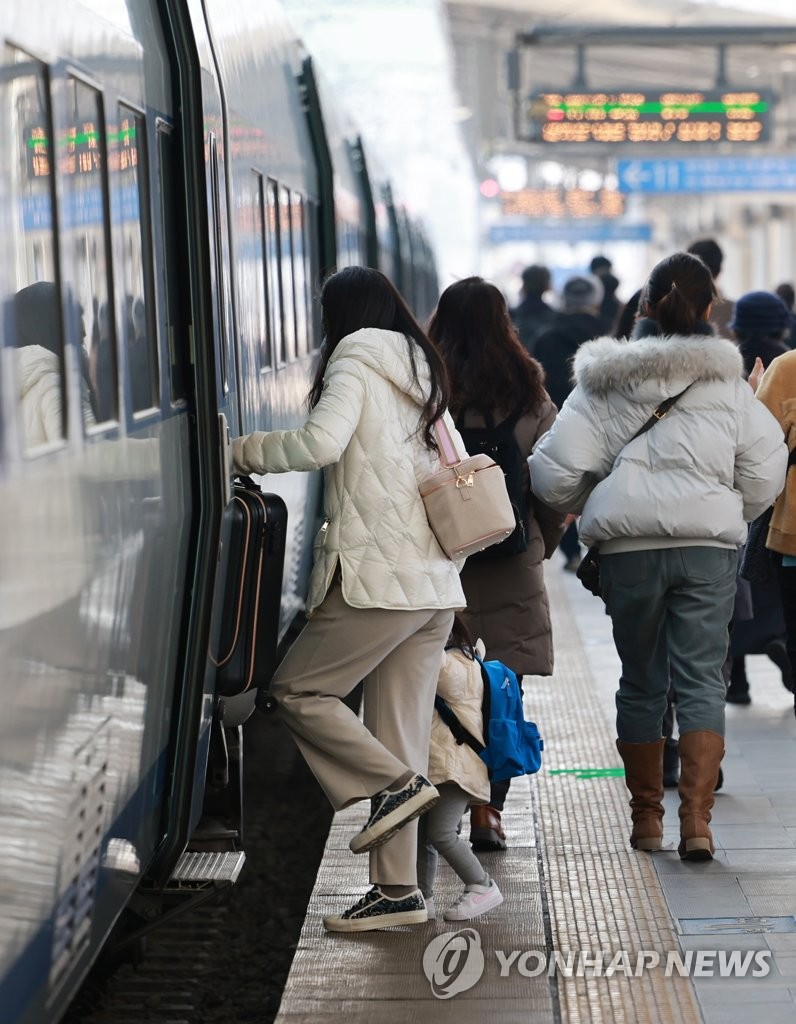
40	394
364	432
716	461
461	686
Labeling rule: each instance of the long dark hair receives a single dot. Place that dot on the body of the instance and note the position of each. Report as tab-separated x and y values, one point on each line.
487	364
358	297
677	293
460	637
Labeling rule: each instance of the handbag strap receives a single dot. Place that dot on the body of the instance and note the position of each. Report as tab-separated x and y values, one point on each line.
447	449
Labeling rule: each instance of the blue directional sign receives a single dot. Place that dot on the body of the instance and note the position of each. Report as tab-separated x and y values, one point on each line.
750	174
569	231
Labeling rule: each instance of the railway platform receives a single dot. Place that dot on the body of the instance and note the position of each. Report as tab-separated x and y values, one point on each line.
590	931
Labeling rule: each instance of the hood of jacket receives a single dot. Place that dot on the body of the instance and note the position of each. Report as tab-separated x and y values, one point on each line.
654	367
388	354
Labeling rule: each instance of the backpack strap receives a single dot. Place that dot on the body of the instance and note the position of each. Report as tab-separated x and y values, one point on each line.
460	734
489	419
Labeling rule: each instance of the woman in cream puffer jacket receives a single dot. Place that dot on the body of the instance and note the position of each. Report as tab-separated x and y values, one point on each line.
382	591
667	510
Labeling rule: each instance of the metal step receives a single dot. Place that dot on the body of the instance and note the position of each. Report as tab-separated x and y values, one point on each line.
206	870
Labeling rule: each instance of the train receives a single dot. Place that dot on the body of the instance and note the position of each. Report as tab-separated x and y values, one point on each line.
176	180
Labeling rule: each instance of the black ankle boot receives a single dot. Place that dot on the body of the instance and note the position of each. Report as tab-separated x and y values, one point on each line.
671	763
738	690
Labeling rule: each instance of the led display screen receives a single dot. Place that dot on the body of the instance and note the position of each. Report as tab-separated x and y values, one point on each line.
660	116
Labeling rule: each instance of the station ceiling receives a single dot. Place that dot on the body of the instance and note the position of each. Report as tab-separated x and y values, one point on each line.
484	32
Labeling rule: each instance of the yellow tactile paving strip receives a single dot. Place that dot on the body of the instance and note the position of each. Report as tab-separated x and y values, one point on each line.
601	895
580	890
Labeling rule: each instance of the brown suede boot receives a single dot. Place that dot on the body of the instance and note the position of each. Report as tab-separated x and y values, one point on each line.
644	779
486	831
701	752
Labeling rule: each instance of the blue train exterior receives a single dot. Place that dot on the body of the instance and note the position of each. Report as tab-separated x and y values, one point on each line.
174	181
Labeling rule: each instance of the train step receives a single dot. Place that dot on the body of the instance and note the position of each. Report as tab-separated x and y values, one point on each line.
206	870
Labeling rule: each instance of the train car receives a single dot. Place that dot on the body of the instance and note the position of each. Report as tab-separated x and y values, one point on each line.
165	203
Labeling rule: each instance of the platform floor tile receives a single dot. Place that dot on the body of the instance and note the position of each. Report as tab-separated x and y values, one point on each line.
753	873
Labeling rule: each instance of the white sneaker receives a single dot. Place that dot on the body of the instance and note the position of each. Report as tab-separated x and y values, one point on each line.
431	910
474	901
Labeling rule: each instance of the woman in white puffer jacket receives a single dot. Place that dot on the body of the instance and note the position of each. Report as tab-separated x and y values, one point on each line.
667	510
382	591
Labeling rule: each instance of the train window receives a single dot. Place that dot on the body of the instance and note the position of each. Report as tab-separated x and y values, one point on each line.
300	277
274	272
311	251
33	310
85	242
130	209
288	283
250	269
168	265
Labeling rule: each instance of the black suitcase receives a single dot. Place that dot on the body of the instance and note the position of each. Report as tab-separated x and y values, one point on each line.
249	630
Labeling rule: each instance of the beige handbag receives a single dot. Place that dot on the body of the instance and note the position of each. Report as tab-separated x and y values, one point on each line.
467	504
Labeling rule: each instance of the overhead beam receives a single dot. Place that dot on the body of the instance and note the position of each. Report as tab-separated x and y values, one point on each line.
645	35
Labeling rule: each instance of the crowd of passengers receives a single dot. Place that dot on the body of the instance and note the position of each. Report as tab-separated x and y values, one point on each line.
648	434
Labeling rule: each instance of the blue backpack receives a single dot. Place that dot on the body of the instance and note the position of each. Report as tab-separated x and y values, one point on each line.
513	745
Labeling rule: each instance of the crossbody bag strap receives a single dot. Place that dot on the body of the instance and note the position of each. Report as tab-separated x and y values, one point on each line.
659	413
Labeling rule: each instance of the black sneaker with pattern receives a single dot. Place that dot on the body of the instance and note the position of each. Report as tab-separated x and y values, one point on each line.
375	910
391	810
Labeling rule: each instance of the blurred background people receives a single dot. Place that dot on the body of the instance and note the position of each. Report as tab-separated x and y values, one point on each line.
533	314
610	306
786	292
761	326
578	321
628	316
710	252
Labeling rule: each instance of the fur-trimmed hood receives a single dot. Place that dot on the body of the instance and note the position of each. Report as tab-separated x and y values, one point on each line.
610	364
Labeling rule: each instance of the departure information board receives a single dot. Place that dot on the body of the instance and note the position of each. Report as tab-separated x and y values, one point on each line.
634	116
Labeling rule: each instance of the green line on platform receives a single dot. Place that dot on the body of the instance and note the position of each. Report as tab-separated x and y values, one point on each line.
589	773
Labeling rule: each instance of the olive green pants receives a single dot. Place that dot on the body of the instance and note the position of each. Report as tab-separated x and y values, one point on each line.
670	610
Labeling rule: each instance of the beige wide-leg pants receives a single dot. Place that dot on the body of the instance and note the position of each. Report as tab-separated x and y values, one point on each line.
398	654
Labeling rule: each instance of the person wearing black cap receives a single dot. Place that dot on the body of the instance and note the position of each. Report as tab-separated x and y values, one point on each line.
761	325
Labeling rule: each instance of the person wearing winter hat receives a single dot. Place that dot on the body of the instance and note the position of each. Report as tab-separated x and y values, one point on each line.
761	325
